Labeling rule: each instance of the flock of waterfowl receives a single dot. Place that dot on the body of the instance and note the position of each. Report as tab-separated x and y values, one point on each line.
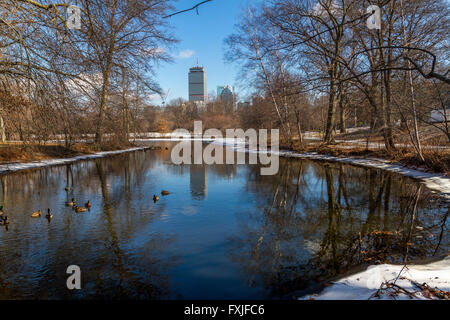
4	220
72	203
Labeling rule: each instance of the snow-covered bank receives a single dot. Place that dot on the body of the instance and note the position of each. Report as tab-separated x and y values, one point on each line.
433	181
12	167
364	285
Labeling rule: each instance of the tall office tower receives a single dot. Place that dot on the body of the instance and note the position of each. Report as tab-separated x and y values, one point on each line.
226	95
220	90
197	85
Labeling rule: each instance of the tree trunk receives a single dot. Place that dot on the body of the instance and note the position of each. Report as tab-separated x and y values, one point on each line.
332	104
299	128
103	104
2	129
416	143
389	131
333	99
387	85
342	113
125	112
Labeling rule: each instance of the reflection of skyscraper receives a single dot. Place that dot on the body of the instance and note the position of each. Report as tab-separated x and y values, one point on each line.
199	181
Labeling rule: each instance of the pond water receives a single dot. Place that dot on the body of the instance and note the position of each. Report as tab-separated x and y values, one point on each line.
224	232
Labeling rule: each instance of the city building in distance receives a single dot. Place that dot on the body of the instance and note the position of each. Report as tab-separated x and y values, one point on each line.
226	95
197	86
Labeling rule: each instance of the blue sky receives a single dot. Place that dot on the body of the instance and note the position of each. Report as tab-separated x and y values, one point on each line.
201	36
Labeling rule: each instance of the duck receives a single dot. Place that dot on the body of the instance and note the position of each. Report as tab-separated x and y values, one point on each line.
70	203
4	220
49	215
88	204
165	192
67	188
155	198
36	214
79	209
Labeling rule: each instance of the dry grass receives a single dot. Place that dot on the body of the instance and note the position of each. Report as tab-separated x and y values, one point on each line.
435	161
14	152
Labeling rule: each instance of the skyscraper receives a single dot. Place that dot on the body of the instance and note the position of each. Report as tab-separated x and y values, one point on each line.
226	95
197	84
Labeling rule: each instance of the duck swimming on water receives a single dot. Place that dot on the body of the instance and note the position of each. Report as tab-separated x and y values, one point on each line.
79	209
155	198
4	221
49	215
36	214
70	203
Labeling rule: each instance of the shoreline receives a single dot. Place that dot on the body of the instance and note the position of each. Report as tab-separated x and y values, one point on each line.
437	182
360	285
20	166
365	285
433	181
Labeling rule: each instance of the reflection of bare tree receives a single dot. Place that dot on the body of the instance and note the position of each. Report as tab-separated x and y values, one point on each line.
329	240
4	189
118	257
120	277
441	234
314	222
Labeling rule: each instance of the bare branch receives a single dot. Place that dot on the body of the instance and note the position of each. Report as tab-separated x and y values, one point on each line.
187	10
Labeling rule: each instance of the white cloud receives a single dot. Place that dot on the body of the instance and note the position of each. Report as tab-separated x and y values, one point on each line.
185	54
153	52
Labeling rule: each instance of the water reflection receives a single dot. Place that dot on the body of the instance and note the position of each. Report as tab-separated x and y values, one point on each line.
199	181
314	222
223	232
118	255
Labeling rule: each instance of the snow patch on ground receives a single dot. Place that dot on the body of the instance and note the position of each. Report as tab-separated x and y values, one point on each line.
13	167
363	285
